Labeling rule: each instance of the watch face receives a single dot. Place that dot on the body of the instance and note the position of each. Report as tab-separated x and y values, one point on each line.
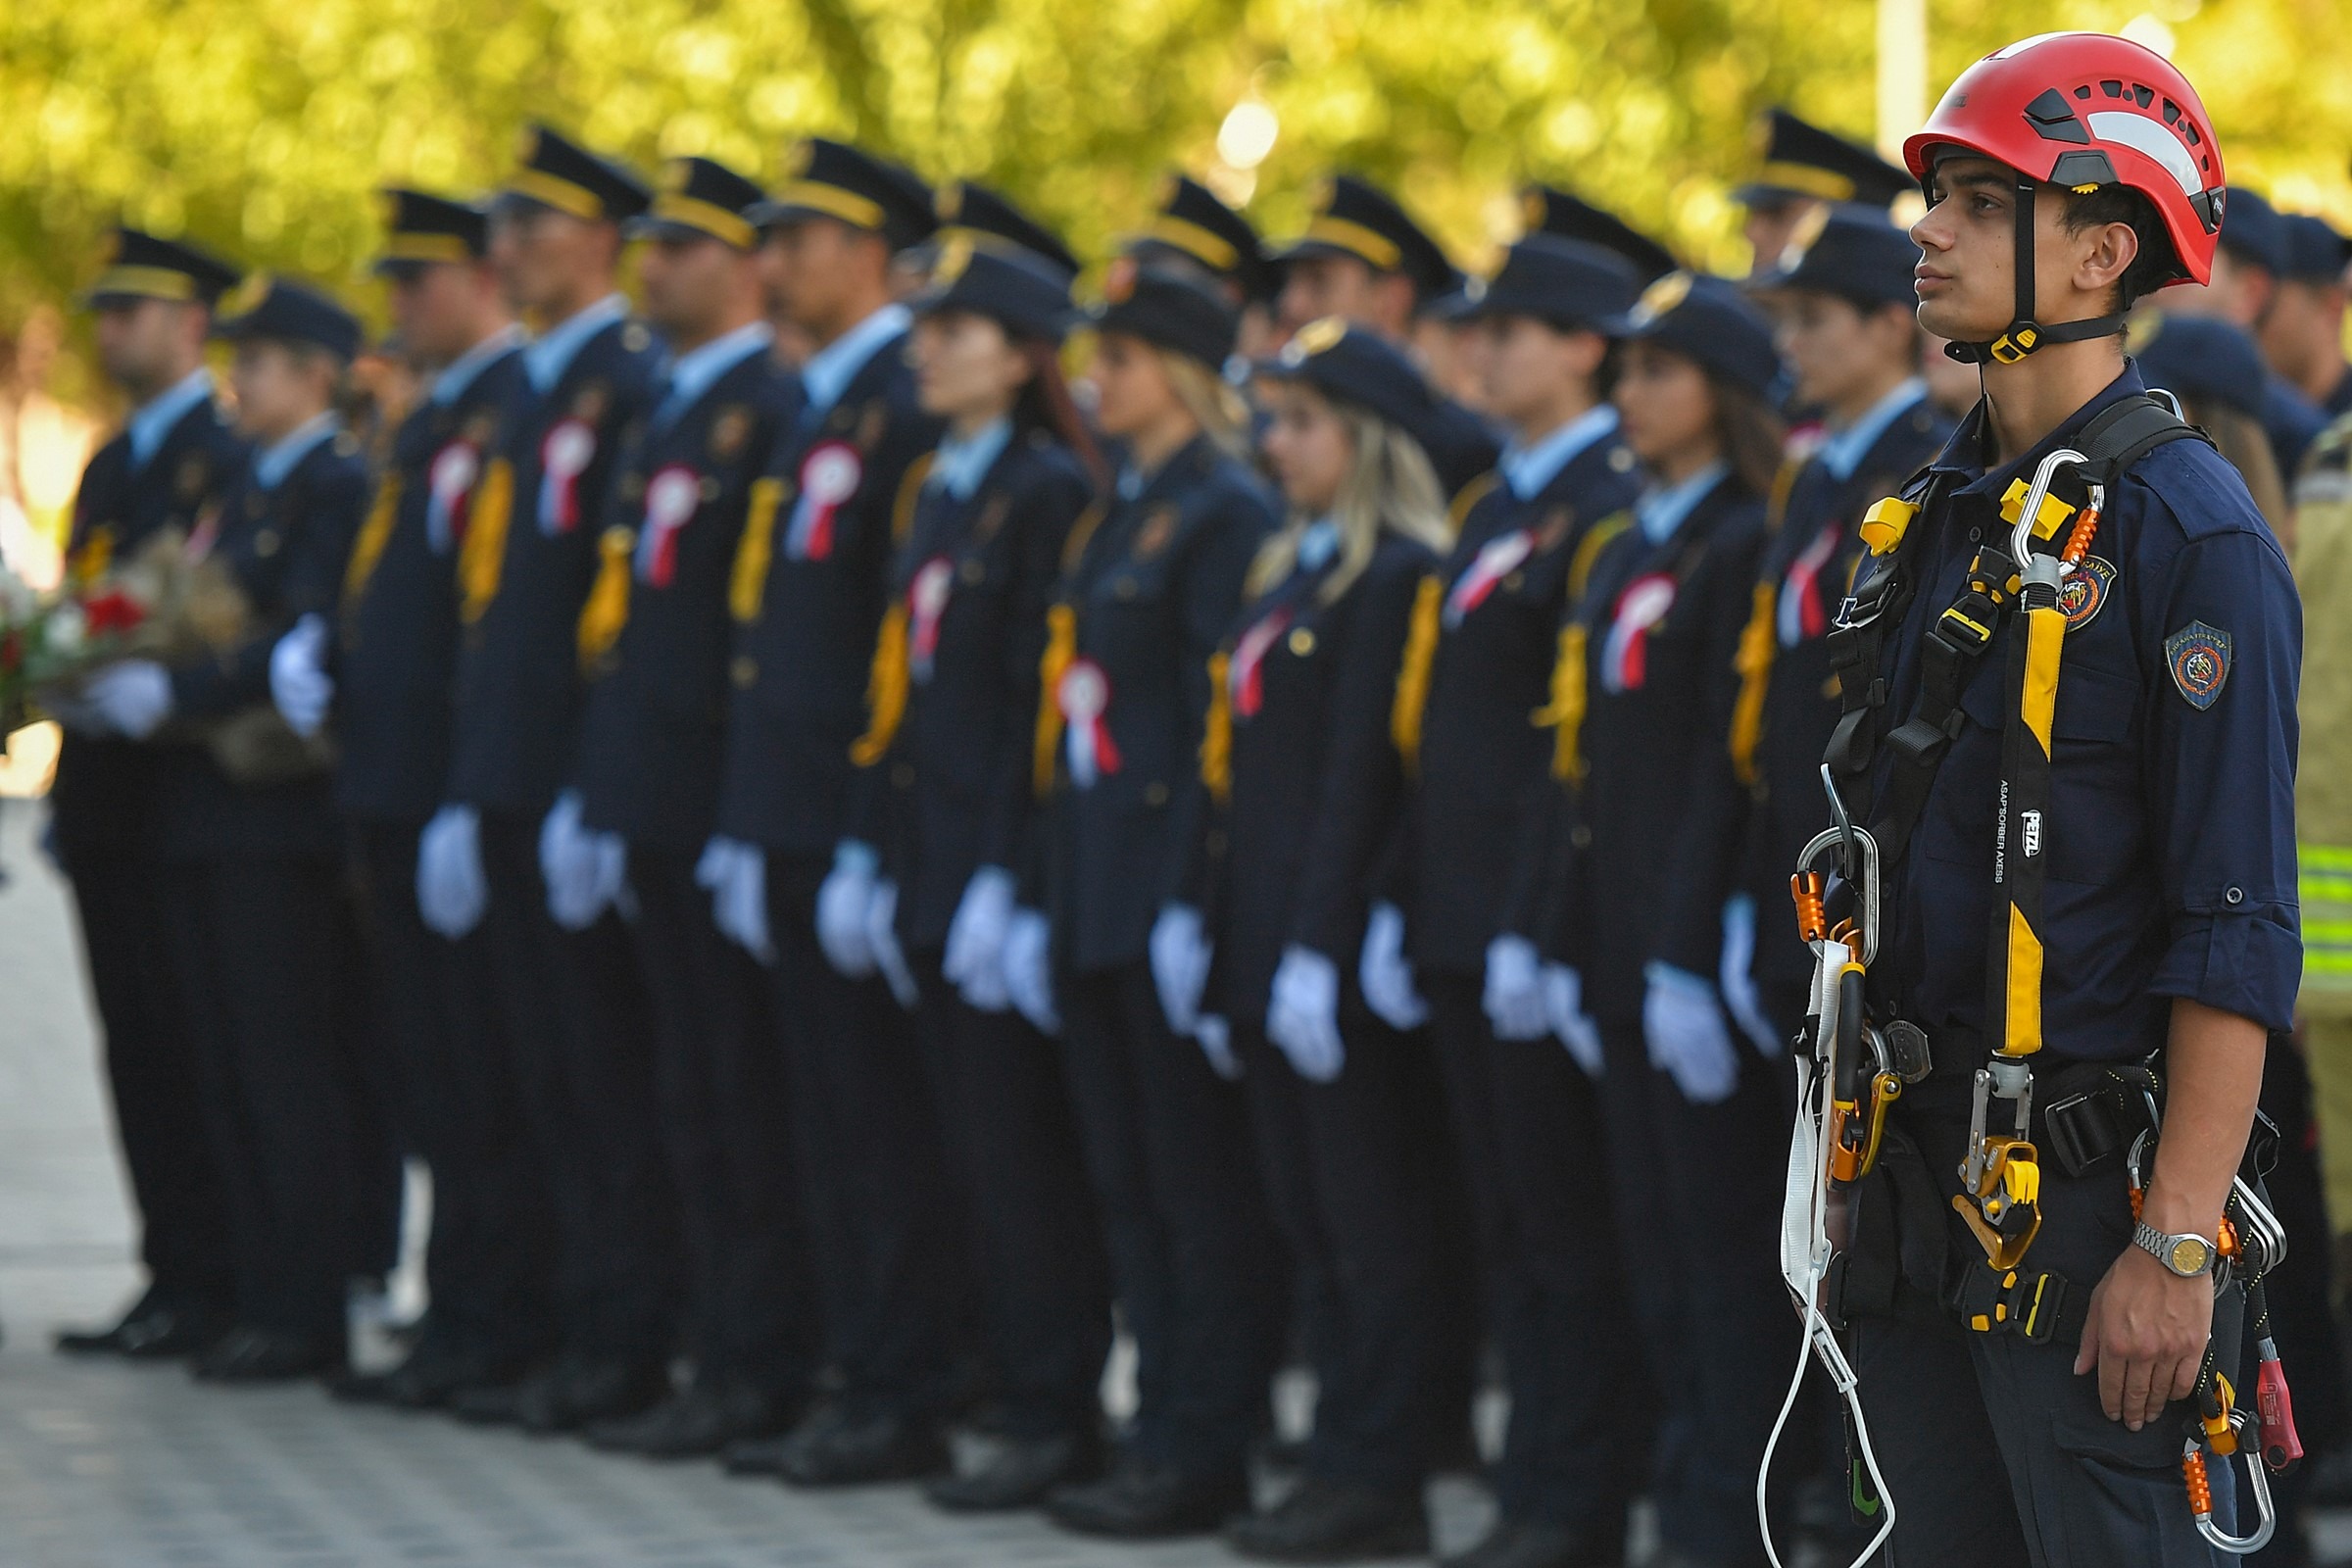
2190	1254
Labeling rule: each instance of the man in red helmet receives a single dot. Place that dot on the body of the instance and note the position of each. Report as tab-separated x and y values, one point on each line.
2072	742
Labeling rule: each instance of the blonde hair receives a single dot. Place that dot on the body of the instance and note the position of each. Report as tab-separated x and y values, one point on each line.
1216	407
1388	488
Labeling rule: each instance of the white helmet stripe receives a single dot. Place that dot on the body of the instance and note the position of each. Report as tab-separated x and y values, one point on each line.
2144	135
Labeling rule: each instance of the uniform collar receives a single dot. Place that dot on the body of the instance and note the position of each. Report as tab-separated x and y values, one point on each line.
1661	511
1318	544
1134	484
830	369
546	357
274	462
463	370
1964	456
695	371
1527	469
1841	451
960	463
154	419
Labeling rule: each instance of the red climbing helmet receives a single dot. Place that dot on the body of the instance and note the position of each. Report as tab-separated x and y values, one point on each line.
2084	110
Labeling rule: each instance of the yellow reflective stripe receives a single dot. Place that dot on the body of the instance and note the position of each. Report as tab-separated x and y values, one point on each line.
1061	650
484	557
2325	858
1216	736
886	685
606	610
2327	931
1412	673
374	534
747	586
2045	633
1753	663
2326	887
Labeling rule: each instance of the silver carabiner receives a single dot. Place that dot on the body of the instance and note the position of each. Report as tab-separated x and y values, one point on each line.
2258	1482
1865	849
2020	537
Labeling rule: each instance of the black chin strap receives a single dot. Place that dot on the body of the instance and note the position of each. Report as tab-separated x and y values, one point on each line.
2023	335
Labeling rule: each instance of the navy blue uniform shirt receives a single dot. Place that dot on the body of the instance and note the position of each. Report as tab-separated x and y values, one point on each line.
2172	836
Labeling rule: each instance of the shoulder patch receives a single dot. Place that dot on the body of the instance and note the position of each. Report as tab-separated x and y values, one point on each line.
2084	593
2198	657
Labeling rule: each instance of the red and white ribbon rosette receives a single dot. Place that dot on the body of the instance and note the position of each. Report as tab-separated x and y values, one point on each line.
564	453
1084	697
829	476
1245	676
671	497
926	602
1496	560
1625	658
449	488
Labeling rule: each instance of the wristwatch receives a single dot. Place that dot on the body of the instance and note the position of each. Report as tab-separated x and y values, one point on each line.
2187	1256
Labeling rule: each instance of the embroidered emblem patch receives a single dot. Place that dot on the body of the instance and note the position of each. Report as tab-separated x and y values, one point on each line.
2199	657
2085	592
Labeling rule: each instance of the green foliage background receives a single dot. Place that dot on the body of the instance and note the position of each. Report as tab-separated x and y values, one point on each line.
265	127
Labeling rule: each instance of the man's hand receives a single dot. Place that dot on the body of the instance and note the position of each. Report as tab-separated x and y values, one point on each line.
2146	1336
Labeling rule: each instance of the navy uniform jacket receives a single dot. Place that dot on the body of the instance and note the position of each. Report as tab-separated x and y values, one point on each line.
1758	827
811	579
1153	589
1461	446
519	682
959	769
1660	620
653	733
1315	771
104	800
2171	826
286	548
397	655
1484	764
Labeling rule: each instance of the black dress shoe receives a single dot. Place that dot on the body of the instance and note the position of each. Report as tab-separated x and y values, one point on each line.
693	1425
153	1330
582	1392
840	1448
270	1355
431	1377
1149	1502
1325	1521
492	1404
1534	1546
1019	1474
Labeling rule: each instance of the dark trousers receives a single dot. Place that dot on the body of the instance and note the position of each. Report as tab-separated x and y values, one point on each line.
750	1311
491	1250
1698	1222
1013	1145
1993	1450
1528	1124
873	1182
255	943
1352	1179
1168	1146
151	1069
573	1016
379	1147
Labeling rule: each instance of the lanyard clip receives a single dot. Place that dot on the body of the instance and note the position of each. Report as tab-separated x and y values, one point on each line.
2230	1440
2000	1179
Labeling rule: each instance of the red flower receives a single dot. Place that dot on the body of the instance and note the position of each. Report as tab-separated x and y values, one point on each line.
112	612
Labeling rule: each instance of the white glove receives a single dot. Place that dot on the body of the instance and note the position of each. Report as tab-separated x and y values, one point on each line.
975	950
1180	958
1302	1017
1216	1044
882	936
299	683
1684	1025
1736	972
736	873
132	697
1514	992
841	902
451	890
1386	974
585	873
974	959
1564	1011
1029	969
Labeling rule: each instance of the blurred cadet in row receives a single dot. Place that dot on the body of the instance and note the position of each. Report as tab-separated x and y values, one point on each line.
163	473
1802	168
2257	256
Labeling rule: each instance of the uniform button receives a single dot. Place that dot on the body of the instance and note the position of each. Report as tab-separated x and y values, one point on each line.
1303	642
744	670
632	488
1514	582
901	775
1124	588
1975	534
265	543
971	572
707	490
1155	794
1581	836
2235	896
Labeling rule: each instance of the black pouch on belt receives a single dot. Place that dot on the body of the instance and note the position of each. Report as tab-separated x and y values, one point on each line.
1892	1264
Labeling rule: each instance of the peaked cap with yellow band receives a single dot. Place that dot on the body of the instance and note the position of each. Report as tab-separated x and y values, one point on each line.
1354	217
146	266
421	229
552	170
850	185
1191	228
1800	161
700	198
